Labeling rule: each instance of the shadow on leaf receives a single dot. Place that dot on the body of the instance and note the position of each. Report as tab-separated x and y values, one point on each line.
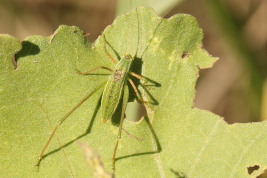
88	131
178	174
159	149
28	49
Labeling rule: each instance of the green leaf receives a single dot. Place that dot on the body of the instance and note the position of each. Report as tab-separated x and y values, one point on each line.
178	139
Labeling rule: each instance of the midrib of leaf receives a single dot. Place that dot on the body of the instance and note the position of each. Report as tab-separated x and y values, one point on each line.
157	155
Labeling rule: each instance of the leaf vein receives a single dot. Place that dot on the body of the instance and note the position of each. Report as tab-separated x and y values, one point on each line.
204	147
246	149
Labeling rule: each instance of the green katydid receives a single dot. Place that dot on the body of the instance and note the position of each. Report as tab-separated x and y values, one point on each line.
115	87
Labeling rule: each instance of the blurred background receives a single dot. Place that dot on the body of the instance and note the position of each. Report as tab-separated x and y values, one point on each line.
234	30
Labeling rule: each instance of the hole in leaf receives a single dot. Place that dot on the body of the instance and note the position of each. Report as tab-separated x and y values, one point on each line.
251	169
185	54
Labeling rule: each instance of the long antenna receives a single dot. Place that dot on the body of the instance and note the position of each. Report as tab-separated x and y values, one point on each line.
154	26
130	27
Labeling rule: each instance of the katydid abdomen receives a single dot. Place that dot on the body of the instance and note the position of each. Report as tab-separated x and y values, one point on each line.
113	89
